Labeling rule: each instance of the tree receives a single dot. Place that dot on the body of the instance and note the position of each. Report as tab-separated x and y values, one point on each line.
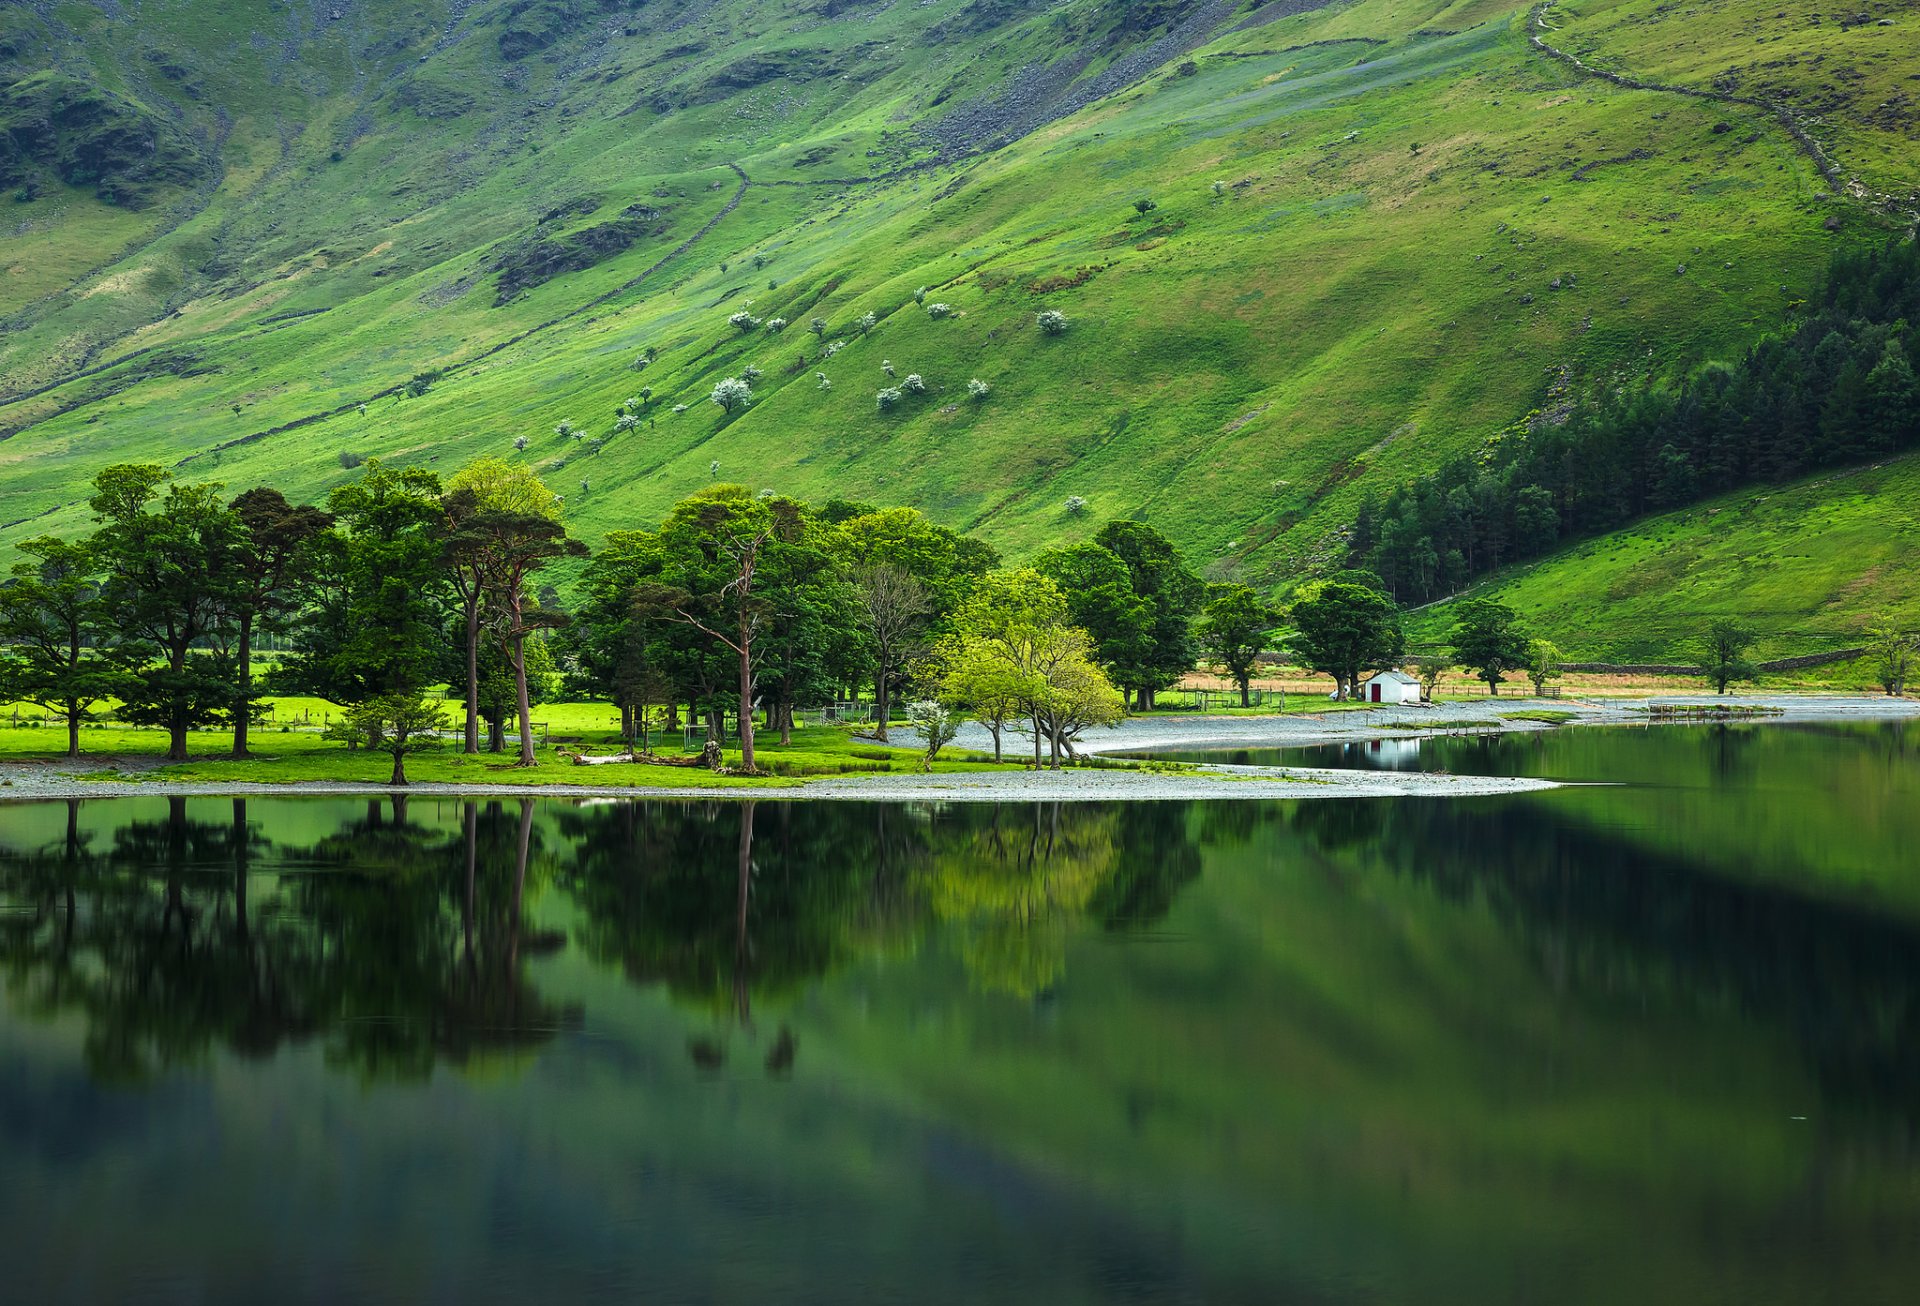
724	565
1427	668
1488	638
400	723
1342	629
272	553
167	553
937	724
1726	644
504	526
1171	593
52	621
1893	652
1234	629
371	623
894	609
975	675
1543	664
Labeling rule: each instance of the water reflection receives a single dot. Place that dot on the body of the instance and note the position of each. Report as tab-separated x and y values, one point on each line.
394	945
1338	1050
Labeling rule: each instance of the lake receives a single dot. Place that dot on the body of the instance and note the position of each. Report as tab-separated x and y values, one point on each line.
1649	1040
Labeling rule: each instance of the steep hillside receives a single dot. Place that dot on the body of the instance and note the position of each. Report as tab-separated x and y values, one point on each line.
1374	233
1808	567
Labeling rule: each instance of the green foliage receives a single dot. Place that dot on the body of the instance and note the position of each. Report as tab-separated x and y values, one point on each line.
1234	630
1725	647
1893	652
1543	664
1345	630
1489	638
399	724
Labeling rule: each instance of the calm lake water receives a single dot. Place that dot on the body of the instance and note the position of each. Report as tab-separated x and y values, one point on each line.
1657	1041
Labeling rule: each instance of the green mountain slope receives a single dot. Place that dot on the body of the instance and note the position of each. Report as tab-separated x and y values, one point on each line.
1382	230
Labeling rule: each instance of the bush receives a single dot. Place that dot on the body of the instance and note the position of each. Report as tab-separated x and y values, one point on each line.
920	295
913	384
732	393
1076	505
631	404
776	325
626	422
1052	321
818	326
1144	205
646	393
886	398
679	408
978	389
938	311
834	347
821	377
350	459
886	365
865	323
743	321
564	429
751	373
519	443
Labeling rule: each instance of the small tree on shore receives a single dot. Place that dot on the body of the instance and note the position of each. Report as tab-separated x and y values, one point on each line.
1543	664
1726	646
937	724
399	724
1489	638
1427	668
1893	652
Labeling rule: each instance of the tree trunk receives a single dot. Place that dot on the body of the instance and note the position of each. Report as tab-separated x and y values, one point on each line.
176	743
521	700
1036	741
1246	696
881	707
995	727
243	700
399	776
73	727
746	705
1493	687
497	735
786	724
472	741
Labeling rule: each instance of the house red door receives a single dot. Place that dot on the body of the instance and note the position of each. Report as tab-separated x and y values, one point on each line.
1376	691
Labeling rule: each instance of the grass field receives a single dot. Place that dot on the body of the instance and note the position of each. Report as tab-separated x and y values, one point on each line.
1809	567
286	757
1383	231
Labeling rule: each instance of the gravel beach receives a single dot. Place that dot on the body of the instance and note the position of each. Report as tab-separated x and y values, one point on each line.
26	781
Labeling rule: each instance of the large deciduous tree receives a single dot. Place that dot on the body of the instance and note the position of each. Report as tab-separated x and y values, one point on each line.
1234	629
1489	638
1343	629
1726	645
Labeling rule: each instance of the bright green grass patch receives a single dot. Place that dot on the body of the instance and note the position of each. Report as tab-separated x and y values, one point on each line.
1543	716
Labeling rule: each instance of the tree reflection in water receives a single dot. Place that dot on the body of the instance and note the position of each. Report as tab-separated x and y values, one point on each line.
394	946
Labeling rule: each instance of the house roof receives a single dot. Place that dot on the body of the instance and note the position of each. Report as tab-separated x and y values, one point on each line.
1397	677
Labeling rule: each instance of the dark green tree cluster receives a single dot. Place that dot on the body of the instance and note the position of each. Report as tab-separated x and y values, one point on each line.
160	607
1836	389
1130	589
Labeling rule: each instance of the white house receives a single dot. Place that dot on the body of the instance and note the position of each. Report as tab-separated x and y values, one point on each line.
1390	687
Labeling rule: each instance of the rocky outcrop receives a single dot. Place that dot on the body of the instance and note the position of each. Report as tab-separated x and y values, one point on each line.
51	123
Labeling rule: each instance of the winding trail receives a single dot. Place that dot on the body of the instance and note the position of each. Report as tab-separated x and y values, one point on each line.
1829	170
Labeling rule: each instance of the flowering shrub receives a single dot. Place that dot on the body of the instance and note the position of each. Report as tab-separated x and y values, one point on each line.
732	393
1052	321
913	384
978	389
743	321
938	311
886	398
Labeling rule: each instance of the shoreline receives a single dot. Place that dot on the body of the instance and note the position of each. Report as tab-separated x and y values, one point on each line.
44	781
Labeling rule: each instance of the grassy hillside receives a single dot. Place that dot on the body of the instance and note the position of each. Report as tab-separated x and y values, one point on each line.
1810	566
1382	231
